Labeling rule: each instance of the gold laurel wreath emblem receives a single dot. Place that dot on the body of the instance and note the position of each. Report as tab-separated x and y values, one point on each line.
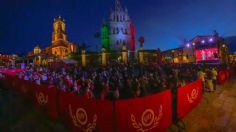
148	120
193	96
41	98
80	119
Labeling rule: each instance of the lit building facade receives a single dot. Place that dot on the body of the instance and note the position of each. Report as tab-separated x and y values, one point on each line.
200	49
7	59
60	46
207	48
37	50
120	29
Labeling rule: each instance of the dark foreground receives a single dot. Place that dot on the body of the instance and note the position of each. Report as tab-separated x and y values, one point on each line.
19	115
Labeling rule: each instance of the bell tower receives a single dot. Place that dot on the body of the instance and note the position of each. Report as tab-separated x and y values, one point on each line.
121	32
60	43
59	32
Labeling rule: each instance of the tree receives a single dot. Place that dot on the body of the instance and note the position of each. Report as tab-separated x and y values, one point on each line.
141	41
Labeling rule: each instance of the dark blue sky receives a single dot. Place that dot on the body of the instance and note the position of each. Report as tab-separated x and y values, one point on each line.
163	23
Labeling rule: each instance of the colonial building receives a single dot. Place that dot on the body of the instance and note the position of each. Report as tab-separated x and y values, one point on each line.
7	59
60	46
204	48
120	30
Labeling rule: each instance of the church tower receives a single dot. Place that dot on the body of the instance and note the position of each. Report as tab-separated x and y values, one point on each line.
120	30
59	31
59	38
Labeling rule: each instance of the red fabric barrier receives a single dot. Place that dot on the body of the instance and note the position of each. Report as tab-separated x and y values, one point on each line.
10	80
188	97
64	99
25	88
89	115
151	113
46	99
221	77
227	74
11	72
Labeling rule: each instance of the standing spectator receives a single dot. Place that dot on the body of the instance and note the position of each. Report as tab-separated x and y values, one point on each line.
214	77
201	76
209	80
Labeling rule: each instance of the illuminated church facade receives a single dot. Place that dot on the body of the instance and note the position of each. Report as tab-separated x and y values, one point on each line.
119	31
60	46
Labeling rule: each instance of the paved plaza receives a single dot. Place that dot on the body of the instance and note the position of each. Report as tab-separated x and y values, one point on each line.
215	113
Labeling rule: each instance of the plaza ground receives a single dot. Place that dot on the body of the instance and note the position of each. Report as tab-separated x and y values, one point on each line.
215	113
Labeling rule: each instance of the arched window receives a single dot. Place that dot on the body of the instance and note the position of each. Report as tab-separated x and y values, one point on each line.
117	30
117	18
126	31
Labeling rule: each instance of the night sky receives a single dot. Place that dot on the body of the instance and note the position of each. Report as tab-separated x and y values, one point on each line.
163	23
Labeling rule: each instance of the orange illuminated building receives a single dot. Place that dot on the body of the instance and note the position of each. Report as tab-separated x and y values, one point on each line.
60	45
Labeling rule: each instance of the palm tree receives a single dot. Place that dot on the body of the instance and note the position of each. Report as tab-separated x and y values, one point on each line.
141	41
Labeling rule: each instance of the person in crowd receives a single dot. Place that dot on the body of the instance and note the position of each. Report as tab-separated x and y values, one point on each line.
38	81
209	80
1	76
118	81
26	77
214	77
202	76
116	93
44	77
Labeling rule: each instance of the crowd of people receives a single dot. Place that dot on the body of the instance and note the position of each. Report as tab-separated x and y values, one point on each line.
120	81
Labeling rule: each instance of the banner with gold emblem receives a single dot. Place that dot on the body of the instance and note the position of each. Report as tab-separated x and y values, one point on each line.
25	88
148	114
46	99
86	115
188	97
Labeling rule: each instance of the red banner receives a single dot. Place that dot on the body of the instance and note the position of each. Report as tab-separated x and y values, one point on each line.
221	77
150	113
25	88
64	99
188	97
46	99
10	80
86	115
227	74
